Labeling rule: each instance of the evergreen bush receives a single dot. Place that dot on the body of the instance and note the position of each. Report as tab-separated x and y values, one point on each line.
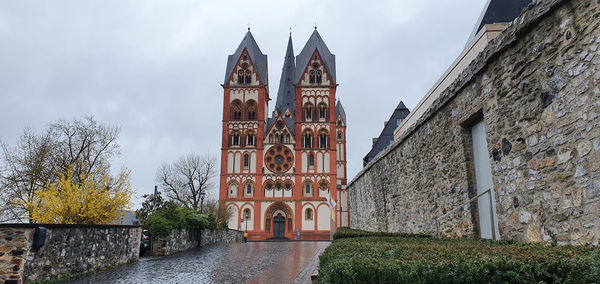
402	258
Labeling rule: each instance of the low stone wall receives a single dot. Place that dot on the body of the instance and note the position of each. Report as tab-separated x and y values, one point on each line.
227	236
69	249
178	240
536	88
183	239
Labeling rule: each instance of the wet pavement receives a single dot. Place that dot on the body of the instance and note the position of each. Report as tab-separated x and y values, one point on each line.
254	262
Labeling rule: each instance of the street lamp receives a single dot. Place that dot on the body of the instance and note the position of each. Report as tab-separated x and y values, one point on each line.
246	217
202	194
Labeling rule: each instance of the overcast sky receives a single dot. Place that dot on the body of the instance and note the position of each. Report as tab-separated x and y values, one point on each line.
155	67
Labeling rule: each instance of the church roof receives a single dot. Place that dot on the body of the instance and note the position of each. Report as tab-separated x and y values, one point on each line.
258	58
315	42
289	121
499	11
286	96
339	110
386	137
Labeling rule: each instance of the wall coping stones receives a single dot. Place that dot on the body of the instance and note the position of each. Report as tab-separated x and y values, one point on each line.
533	14
35	225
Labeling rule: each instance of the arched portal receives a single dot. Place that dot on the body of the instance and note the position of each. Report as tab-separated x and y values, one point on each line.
278	220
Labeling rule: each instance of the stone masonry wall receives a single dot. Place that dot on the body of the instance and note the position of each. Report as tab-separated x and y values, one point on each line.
68	249
183	239
227	236
536	87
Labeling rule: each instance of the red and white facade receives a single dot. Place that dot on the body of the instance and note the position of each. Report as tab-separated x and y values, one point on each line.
277	171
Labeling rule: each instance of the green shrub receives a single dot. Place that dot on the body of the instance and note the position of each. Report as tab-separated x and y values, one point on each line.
197	221
158	226
415	259
346	232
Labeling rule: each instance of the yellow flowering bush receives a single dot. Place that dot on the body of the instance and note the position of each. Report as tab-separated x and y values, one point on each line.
87	201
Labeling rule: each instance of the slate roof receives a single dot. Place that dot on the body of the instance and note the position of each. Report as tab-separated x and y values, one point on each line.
289	121
387	134
499	11
286	96
339	110
258	58
315	42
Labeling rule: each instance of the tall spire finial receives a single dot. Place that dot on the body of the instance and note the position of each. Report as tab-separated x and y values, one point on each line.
248	26
315	25
290	31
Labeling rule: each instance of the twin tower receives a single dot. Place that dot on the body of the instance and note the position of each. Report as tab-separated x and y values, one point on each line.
277	171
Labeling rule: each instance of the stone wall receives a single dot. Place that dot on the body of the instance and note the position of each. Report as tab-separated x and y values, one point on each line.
183	239
536	87
69	249
210	237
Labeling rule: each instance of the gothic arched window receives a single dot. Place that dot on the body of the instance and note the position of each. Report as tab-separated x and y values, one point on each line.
322	111
323	138
235	139
339	136
311	76
248	77
236	110
319	77
308	188
308	139
240	77
233	189
251	138
311	160
251	108
308	111
246	161
249	188
309	214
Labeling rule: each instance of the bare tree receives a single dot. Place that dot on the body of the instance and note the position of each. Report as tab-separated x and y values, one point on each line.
37	160
25	168
219	209
184	180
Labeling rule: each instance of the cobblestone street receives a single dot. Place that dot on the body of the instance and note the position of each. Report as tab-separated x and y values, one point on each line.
255	262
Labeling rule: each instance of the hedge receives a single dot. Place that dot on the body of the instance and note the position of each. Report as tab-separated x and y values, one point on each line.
418	259
172	216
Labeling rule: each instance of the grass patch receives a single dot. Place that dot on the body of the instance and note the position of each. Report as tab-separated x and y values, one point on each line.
363	257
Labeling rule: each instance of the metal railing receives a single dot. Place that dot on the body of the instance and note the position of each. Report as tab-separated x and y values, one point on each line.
492	221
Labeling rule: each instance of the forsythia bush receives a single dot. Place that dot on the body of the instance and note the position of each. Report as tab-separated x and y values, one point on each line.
406	259
87	202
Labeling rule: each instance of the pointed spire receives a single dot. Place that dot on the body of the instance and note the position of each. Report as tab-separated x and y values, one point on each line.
286	96
401	106
315	42
339	110
258	58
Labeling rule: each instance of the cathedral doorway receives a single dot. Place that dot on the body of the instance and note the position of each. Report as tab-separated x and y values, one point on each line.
279	220
279	227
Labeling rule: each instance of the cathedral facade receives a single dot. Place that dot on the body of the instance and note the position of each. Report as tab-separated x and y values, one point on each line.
277	171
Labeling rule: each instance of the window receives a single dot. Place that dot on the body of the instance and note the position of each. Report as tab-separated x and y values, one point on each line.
240	77
308	110
247	214
308	140
311	160
322	111
246	161
249	189
339	136
236	110
309	214
251	110
250	138
323	185
248	77
311	76
323	138
319	77
235	139
288	185
233	189
308	188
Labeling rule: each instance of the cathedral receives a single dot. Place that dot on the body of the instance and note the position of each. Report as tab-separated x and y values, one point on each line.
277	172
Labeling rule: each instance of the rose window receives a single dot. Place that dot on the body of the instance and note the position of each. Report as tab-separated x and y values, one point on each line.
279	159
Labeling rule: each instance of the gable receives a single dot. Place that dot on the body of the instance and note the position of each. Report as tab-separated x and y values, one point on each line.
315	72
244	72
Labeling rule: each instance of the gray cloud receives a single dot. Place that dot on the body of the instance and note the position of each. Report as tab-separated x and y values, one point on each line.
155	67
